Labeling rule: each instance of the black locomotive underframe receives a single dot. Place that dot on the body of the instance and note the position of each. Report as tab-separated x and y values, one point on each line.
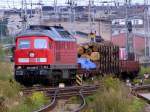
39	73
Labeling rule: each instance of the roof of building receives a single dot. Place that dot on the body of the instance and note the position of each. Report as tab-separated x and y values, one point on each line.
56	33
47	8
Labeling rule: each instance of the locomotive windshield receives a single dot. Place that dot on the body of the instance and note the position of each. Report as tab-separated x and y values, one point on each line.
40	43
24	44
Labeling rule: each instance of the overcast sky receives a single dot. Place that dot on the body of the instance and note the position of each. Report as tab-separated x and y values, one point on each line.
17	3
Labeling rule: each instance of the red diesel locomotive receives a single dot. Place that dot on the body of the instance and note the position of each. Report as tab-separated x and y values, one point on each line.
45	53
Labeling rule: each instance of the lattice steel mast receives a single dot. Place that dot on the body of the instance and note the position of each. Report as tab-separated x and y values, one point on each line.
129	33
146	29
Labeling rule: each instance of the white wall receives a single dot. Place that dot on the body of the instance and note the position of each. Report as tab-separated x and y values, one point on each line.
122	21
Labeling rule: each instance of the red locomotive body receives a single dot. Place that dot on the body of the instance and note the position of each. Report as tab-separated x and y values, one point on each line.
44	52
50	53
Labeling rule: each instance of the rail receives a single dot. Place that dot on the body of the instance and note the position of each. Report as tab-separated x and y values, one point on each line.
51	105
83	102
63	93
142	87
140	92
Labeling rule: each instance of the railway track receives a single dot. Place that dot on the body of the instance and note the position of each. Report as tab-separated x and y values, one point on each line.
62	93
51	90
142	91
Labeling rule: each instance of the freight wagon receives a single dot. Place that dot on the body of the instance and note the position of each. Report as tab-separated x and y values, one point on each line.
108	61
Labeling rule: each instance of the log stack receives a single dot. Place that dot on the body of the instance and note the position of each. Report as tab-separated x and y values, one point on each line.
89	51
105	54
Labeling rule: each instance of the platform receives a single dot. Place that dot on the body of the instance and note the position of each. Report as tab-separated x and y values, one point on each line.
146	96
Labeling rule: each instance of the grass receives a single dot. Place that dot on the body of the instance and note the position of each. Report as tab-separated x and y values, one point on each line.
30	103
9	89
6	71
2	53
10	99
114	97
74	100
144	70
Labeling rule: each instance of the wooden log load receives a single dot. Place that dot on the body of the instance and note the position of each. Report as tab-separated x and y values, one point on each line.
105	54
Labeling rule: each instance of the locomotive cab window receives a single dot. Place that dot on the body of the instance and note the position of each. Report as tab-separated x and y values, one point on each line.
40	43
24	44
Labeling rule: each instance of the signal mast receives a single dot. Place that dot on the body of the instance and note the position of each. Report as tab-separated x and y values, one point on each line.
24	14
129	33
72	4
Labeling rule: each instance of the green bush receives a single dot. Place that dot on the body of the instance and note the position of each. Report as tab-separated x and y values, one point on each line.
114	97
21	108
9	90
90	99
8	87
31	103
144	70
2	54
38	99
6	73
147	81
3	108
137	105
111	83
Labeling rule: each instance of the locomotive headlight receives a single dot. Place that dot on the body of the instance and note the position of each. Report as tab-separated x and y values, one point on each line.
19	67
31	55
23	60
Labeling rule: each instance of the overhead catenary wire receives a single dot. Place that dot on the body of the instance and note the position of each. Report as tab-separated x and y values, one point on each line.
16	3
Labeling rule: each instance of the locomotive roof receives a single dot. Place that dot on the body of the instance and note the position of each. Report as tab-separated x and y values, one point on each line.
57	33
